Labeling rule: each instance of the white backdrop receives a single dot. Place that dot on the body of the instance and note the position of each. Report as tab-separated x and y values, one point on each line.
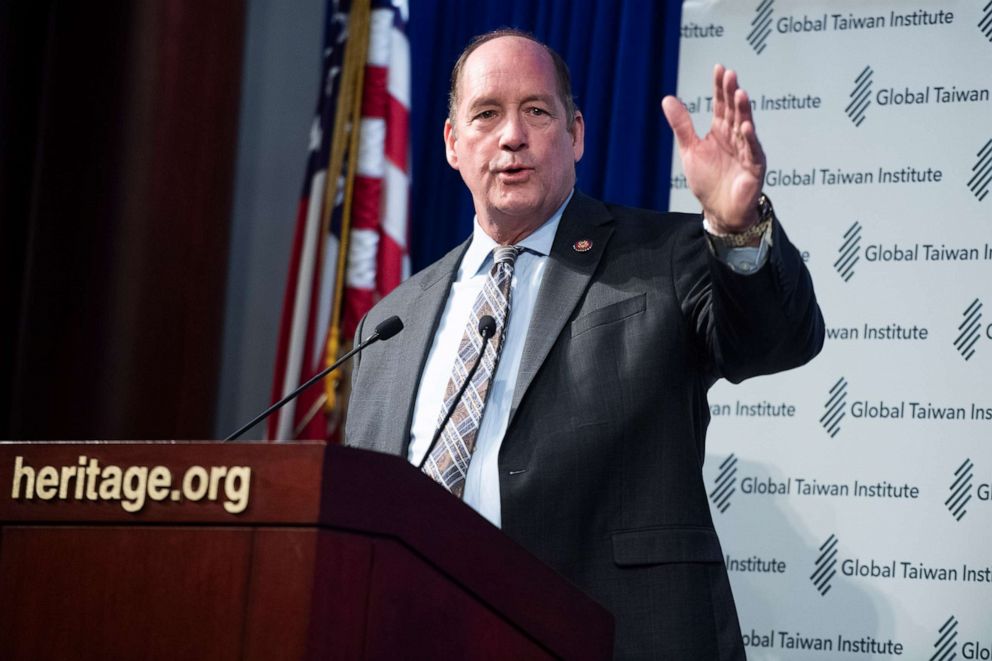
853	495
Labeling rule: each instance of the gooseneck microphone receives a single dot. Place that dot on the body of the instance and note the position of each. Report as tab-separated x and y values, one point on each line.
487	328
383	331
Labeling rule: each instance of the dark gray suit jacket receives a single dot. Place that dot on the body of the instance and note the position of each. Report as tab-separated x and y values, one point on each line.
600	468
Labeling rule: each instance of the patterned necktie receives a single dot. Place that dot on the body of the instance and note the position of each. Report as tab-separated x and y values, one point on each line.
448	462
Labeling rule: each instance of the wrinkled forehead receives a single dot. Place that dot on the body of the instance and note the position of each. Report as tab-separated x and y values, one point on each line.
505	64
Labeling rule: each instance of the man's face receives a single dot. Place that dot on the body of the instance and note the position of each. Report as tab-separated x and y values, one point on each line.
509	138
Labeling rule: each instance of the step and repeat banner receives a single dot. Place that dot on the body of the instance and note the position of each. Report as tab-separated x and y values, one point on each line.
853	495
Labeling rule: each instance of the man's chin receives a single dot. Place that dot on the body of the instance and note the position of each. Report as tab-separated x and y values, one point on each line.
520	204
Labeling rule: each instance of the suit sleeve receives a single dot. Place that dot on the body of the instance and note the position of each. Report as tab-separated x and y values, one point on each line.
748	325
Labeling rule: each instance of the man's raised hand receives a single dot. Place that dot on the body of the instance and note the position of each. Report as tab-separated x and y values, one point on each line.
724	169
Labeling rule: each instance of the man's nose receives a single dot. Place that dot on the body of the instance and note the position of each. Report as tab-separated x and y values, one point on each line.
513	135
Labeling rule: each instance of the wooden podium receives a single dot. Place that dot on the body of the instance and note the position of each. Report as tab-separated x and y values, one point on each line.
190	550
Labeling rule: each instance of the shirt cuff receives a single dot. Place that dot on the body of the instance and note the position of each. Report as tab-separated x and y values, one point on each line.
744	260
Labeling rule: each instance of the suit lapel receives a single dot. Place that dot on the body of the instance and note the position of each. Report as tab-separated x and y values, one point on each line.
422	317
566	278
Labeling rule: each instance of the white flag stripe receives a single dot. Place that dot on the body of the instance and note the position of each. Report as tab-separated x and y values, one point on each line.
301	305
380	25
362	259
395	199
325	300
398	80
371	148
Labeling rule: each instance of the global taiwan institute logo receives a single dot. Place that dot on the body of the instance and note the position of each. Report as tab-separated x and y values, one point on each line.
946	647
860	96
985	22
835	408
849	253
982	177
761	26
725	484
825	566
960	489
969	330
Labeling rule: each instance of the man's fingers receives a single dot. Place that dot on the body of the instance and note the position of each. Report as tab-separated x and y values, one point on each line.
680	121
753	152
730	94
719	100
743	105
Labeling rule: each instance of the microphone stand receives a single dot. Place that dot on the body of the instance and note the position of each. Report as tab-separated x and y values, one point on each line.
383	331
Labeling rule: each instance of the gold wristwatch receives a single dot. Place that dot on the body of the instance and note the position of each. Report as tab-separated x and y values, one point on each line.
766	214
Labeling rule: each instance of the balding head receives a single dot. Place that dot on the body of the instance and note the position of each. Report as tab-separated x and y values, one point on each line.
562	77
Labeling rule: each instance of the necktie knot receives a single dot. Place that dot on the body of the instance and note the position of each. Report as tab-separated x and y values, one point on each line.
505	254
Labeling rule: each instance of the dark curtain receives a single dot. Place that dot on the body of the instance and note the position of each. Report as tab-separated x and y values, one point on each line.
118	122
623	55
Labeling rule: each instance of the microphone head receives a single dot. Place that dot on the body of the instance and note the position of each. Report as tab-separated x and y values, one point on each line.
487	327
388	328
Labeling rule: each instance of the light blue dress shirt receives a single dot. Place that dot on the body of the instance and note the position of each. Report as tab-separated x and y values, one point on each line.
482	481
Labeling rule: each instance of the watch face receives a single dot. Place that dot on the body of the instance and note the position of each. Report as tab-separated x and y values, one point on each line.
765	210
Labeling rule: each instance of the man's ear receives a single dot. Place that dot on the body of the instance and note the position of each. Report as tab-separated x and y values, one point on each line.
449	144
578	132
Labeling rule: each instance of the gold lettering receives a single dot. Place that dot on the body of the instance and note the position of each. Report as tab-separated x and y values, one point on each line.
81	478
199	475
110	484
27	474
159	481
92	472
216	472
236	488
135	479
47	484
68	472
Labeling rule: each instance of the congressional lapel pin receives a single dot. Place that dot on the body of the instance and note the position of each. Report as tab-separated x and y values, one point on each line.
582	245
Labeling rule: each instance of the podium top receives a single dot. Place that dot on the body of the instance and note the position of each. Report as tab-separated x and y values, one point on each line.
314	485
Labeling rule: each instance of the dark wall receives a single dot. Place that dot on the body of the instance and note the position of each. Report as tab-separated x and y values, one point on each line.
117	137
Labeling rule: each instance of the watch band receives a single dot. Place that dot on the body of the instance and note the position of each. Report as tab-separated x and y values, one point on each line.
766	214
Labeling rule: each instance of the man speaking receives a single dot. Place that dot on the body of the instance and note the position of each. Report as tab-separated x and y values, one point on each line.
554	368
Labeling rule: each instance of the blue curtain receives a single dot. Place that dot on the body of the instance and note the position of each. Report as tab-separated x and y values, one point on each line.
623	55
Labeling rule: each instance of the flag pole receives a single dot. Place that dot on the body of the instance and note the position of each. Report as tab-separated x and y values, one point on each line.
347	116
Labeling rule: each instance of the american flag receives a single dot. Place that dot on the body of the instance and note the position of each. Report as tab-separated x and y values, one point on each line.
377	258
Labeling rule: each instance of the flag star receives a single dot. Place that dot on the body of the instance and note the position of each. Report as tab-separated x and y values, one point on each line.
315	135
342	19
332	75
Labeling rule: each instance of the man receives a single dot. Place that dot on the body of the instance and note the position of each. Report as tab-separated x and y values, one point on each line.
591	440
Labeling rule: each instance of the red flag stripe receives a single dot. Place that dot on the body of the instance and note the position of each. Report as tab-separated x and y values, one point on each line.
286	323
374	96
366	202
397	133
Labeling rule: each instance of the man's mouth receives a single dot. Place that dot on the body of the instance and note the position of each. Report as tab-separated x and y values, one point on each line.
514	173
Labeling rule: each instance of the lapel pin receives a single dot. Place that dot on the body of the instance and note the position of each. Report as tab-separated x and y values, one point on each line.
582	245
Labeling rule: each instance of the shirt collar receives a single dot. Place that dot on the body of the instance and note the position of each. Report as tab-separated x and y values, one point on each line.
538	242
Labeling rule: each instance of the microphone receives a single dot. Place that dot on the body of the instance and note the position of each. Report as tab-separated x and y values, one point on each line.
487	328
383	331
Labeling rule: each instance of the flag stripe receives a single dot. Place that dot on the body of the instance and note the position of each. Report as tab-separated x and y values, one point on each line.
397	145
375	97
301	304
377	258
399	68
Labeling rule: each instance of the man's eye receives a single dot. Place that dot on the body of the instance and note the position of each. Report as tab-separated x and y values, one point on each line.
486	114
536	112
